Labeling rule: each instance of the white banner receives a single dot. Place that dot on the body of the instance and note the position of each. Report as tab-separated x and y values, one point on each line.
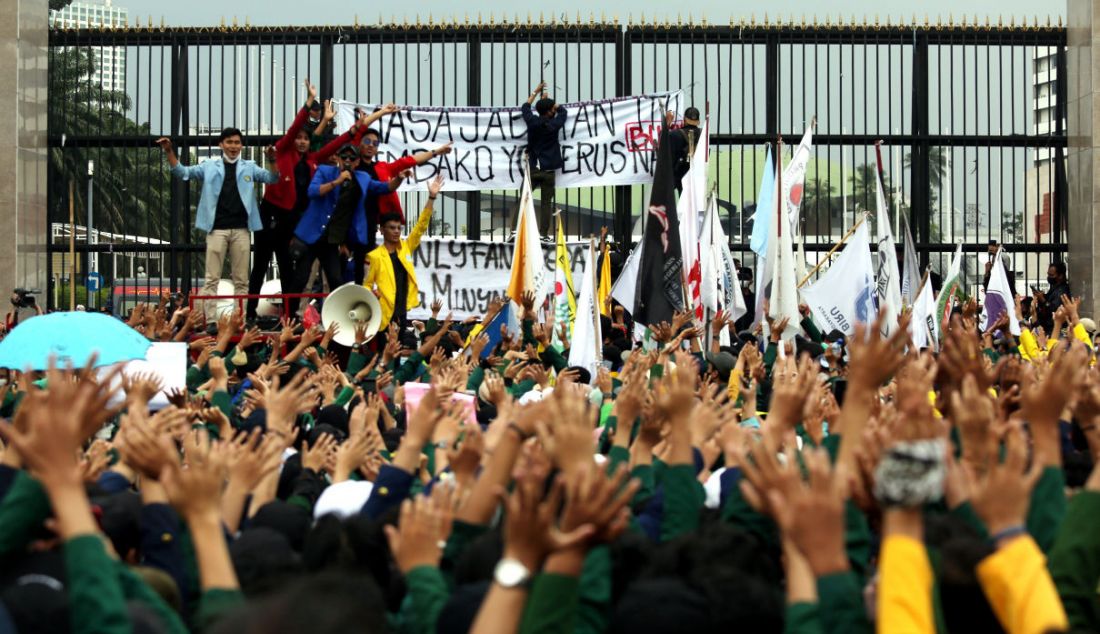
845	294
607	142
465	274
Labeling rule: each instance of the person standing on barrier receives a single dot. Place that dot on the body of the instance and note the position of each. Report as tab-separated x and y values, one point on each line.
334	217
391	274
684	140
227	211
543	152
285	201
387	203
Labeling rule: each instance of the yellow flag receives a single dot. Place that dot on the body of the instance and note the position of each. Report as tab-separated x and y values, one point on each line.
603	292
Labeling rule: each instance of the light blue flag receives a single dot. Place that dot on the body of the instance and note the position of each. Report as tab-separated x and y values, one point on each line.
762	221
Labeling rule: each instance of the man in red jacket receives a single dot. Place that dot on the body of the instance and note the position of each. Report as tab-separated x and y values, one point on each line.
386	203
284	202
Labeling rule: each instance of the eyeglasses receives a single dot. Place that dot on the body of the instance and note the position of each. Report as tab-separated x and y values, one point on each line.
374	142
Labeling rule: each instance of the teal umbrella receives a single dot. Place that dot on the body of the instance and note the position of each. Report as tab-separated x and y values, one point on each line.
70	337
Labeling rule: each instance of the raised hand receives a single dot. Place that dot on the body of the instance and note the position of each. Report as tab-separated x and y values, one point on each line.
422	530
1001	499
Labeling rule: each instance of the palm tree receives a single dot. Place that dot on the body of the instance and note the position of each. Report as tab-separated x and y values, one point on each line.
863	185
131	184
937	170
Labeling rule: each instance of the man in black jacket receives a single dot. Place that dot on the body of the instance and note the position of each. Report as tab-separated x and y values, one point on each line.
684	140
1046	304
543	151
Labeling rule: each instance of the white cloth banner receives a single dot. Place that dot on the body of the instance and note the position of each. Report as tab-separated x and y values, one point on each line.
606	142
845	294
922	325
466	274
587	342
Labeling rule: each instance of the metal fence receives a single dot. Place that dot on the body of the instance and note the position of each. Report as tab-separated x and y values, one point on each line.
971	120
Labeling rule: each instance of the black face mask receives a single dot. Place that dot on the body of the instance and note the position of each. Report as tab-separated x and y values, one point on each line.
1052	280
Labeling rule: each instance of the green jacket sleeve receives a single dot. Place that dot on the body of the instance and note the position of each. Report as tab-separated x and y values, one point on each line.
477	375
22	512
737	510
552	356
221	400
356	362
812	332
684	498
196	376
462	535
1048	506
96	603
552	606
857	539
408	369
426	594
617	456
520	388
966	513
214	604
594	609
802	618
134	588
528	328
644	473
1075	562
344	396
840	599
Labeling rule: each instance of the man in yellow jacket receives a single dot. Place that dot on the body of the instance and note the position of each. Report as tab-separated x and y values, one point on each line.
391	275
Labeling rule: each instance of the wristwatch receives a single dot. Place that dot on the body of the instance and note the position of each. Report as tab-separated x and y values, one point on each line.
510	573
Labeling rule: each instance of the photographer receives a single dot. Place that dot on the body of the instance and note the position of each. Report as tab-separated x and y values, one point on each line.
24	307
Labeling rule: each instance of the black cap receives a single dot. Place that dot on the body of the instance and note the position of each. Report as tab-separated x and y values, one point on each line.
692	113
348	149
316	105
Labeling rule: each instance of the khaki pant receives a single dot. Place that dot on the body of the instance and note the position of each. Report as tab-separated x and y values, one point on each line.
237	243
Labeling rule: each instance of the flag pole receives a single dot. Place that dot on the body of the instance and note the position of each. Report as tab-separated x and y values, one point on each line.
833	250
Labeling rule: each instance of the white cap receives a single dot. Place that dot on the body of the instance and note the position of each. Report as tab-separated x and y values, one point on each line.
344	499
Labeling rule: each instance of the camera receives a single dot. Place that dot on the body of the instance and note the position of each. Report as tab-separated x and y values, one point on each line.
22	298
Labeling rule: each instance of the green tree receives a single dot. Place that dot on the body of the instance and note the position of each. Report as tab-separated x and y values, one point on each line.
57	5
131	184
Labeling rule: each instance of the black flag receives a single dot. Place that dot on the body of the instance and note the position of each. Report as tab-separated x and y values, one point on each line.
660	286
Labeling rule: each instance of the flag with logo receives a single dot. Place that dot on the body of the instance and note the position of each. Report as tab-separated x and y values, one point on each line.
886	269
659	293
528	266
922	325
587	343
794	181
720	287
998	298
952	287
845	294
691	207
565	300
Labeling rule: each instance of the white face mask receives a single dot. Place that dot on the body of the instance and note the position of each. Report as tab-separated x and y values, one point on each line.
231	160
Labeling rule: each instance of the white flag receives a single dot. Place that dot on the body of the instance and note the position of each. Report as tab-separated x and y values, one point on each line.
794	179
783	290
998	298
720	288
845	294
886	272
910	274
625	288
948	291
528	262
762	230
922	326
690	207
585	349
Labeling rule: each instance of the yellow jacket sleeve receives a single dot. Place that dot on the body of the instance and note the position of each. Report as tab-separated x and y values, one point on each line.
413	241
1020	590
1029	348
1082	335
733	388
905	588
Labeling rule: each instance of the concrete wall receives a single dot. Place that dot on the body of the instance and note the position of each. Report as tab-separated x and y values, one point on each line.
1083	160
23	158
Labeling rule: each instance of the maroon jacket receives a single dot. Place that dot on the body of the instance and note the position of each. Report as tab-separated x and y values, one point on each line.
284	194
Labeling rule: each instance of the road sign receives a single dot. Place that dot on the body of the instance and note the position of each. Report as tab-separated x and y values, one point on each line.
94	281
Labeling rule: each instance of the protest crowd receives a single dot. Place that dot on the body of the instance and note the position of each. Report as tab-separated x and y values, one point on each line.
724	472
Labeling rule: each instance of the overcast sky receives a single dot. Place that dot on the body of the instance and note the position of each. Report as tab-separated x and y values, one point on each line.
209	12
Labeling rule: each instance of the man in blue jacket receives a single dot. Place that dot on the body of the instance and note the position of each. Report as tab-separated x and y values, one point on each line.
335	216
543	152
227	211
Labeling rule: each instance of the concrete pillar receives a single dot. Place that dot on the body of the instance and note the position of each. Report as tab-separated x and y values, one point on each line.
23	153
1083	160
